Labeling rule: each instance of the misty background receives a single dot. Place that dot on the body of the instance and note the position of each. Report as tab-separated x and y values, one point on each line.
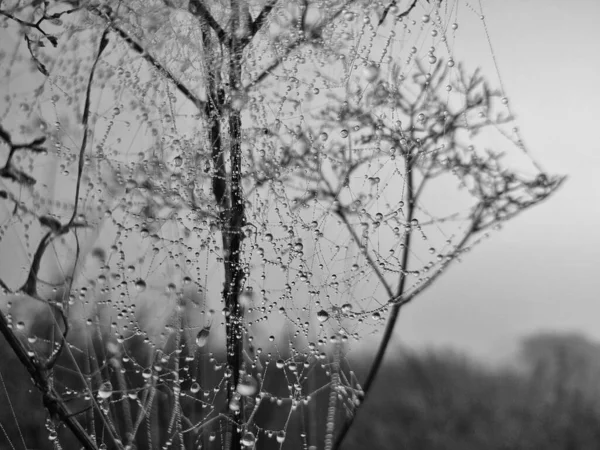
540	272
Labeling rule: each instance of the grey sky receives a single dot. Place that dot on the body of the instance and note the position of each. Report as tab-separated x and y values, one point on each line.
540	272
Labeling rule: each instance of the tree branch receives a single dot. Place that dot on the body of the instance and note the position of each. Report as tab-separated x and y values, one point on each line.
84	122
51	398
198	10
260	20
393	318
392	4
356	239
135	46
36	26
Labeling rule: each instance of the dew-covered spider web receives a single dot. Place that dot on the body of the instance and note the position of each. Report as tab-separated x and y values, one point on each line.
207	207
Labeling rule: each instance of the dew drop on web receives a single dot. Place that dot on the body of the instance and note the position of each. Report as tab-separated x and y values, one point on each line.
322	315
371	73
247	385
105	390
280	436
248	439
202	337
140	285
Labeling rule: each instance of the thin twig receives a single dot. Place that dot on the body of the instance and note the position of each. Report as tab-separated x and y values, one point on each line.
199	10
135	46
258	23
36	26
51	398
391	322
393	3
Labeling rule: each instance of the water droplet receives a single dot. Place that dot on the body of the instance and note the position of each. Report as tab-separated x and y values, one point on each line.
316	91
131	184
105	390
322	315
238	100
247	385
450	62
248	439
280	436
323	136
426	18
202	337
234	404
432	59
99	254
140	285
280	364
371	73
268	237
194	388
349	16
178	161
344	133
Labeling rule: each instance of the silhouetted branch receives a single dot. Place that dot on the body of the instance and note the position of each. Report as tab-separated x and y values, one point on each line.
290	48
84	122
11	172
36	26
260	20
51	398
393	4
200	11
393	317
135	46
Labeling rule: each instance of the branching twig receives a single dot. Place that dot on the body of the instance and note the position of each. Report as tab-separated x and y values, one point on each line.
260	20
372	264
136	47
393	3
199	10
52	39
52	401
11	172
84	122
391	322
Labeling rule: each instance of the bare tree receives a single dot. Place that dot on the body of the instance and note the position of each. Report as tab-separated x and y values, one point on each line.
200	127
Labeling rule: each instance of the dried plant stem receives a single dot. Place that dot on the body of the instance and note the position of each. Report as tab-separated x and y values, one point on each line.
52	400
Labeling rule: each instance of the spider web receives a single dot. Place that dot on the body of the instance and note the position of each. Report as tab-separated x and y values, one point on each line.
345	120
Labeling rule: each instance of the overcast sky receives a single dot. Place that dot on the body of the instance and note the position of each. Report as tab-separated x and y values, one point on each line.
541	271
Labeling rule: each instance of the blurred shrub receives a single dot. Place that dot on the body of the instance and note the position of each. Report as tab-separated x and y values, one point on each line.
421	401
440	400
